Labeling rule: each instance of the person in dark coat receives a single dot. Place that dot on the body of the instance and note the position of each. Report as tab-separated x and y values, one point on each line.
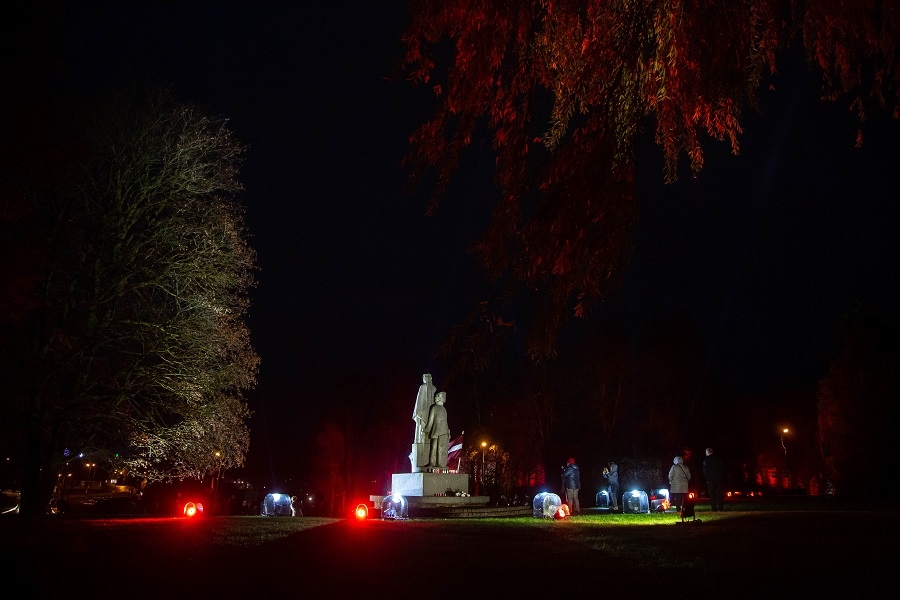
713	469
571	478
611	473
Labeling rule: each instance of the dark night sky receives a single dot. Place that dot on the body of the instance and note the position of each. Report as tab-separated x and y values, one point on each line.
765	251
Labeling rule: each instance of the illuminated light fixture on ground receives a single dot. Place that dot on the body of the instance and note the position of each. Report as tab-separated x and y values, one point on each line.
193	509
394	507
362	512
276	505
659	500
688	510
602	499
547	505
635	502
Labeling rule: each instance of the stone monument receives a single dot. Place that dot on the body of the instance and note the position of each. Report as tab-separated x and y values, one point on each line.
438	432
430	475
424	400
434	488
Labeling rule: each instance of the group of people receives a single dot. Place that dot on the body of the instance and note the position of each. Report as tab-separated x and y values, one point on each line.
679	477
571	483
431	425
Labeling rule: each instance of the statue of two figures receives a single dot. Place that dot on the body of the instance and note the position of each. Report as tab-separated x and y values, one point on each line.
432	438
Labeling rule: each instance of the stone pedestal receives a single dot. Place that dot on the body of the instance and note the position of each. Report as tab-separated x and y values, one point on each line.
428	484
418	458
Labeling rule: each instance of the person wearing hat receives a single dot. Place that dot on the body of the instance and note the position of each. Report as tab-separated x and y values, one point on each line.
611	474
571	478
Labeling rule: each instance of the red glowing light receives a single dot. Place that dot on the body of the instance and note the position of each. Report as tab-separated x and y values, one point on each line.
361	512
192	509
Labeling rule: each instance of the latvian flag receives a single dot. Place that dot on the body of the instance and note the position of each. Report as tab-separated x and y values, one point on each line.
455	452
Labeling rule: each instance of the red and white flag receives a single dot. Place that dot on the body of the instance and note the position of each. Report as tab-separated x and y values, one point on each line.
455	452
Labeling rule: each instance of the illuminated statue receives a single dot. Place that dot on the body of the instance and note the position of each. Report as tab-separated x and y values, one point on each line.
438	432
424	400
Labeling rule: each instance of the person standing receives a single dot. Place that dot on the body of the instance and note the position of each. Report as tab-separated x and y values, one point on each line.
611	473
571	478
679	476
713	469
438	432
424	400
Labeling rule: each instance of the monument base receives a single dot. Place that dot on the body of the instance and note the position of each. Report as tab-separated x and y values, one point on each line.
429	484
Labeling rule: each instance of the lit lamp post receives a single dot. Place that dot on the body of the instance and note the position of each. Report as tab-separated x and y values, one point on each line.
87	484
215	480
65	477
786	476
783	432
65	486
483	446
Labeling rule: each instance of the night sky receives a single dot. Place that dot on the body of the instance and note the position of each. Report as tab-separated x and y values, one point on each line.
765	251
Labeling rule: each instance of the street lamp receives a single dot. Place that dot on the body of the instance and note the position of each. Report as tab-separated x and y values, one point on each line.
62	482
214	480
483	446
65	486
87	484
783	432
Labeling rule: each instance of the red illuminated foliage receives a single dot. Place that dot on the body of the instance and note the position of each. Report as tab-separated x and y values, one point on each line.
561	91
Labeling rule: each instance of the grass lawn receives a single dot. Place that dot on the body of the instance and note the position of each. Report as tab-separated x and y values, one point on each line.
792	547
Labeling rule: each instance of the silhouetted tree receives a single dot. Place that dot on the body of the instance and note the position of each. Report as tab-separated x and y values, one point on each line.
329	473
125	336
856	402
